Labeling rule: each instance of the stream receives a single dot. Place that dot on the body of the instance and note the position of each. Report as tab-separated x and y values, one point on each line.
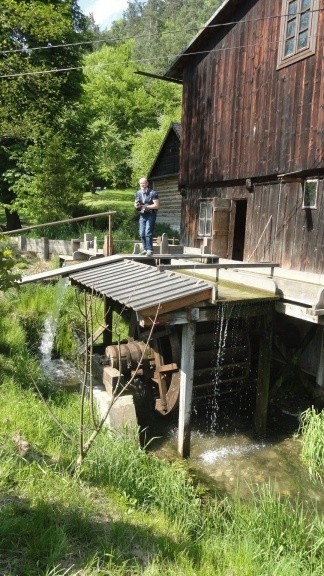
229	459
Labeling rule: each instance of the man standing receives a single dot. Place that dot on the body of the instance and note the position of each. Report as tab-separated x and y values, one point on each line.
147	203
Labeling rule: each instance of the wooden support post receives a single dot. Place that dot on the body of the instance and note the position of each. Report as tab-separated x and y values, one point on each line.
164	246
108	317
46	252
22	243
108	239
262	393
186	384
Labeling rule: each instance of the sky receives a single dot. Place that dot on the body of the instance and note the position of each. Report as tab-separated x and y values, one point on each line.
104	11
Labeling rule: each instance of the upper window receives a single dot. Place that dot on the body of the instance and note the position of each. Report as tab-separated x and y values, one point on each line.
298	30
205	218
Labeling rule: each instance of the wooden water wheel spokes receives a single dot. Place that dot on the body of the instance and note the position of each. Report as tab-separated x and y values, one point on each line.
166	375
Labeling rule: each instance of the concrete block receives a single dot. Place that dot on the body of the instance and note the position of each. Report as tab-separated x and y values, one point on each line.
121	415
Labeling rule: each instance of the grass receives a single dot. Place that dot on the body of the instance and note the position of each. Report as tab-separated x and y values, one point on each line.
126	513
119	200
129	513
312	438
124	222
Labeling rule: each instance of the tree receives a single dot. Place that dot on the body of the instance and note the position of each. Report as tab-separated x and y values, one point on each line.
145	148
49	183
120	105
162	29
36	37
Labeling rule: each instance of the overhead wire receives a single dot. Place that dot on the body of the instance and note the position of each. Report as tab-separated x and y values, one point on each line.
134	60
200	29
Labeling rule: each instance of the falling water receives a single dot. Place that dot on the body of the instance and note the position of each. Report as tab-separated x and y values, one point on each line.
56	369
211	456
227	325
220	333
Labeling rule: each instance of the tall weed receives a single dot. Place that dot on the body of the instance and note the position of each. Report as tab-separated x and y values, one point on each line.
311	433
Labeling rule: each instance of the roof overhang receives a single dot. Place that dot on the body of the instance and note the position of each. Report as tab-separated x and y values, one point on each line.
143	288
220	18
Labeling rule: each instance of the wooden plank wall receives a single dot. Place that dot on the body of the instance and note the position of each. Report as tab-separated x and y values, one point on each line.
242	117
170	202
278	229
282	231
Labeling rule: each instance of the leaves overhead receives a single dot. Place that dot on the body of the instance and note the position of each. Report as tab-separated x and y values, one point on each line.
40	78
162	29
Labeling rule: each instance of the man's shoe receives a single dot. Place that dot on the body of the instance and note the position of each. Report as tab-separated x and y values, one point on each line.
143	253
149	253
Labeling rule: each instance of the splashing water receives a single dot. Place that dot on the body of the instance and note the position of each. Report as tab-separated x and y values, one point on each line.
211	456
48	336
50	324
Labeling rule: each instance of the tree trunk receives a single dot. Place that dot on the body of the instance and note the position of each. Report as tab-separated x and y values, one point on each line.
13	220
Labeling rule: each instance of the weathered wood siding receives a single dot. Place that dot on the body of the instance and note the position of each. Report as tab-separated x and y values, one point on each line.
170	202
280	230
244	118
167	161
277	228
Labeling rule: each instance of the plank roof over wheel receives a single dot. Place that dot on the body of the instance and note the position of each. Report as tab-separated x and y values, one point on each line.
142	287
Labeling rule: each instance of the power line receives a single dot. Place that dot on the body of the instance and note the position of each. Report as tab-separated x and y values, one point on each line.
50	46
138	61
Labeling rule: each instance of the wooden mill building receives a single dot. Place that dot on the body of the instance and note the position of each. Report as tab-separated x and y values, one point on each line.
251	157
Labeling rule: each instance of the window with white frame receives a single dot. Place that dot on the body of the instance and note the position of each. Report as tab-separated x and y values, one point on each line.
310	188
298	30
205	218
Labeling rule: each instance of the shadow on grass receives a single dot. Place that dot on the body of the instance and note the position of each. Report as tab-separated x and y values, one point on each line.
36	538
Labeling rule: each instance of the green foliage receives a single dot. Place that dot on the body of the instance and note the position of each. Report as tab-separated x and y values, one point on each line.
8	278
111	152
50	184
162	28
145	480
121	105
32	99
312	438
124	222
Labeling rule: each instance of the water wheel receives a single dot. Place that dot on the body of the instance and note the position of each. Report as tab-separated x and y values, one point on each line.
221	366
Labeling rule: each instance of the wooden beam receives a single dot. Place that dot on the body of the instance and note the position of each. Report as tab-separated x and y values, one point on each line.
247	308
320	370
217	266
263	379
186	385
108	320
181	302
